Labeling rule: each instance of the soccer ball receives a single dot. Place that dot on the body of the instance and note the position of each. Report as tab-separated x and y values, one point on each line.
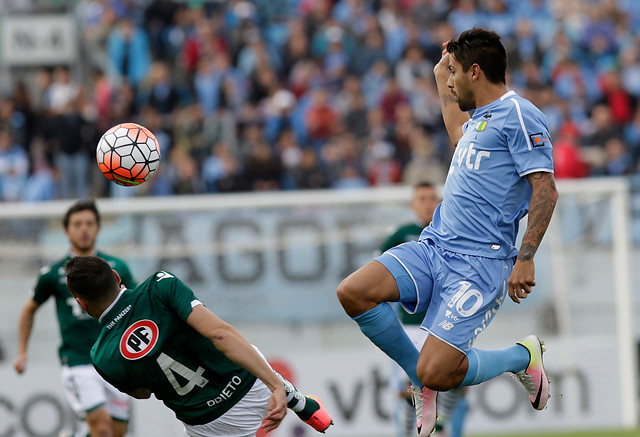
128	154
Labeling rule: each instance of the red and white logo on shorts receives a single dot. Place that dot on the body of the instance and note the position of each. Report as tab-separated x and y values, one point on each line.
139	339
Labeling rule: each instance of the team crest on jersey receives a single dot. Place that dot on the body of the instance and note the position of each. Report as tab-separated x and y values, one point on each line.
139	339
480	126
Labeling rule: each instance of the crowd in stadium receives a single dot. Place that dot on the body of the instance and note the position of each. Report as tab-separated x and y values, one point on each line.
303	94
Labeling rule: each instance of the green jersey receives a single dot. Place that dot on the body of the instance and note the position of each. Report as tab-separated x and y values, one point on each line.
408	232
78	330
146	343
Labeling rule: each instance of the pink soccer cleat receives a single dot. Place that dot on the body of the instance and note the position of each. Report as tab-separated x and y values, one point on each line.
534	378
424	400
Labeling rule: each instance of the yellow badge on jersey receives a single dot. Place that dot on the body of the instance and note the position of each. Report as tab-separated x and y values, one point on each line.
480	126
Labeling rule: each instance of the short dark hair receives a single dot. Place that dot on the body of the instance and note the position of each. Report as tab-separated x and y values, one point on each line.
483	47
423	185
81	205
91	278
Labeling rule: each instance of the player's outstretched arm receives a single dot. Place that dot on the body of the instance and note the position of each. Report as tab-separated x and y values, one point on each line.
453	117
543	201
24	332
230	342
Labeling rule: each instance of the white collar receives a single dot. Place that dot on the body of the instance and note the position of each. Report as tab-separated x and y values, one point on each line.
112	304
507	94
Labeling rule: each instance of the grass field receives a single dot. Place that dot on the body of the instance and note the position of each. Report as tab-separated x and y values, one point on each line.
602	433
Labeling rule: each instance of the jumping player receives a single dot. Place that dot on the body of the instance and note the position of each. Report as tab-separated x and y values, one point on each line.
466	261
158	338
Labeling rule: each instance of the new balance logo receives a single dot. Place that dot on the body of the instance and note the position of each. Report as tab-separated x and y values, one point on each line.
446	325
163	275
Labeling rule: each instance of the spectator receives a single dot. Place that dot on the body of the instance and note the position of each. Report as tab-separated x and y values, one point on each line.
159	19
309	174
296	48
263	171
160	90
619	100
70	140
391	98
373	83
320	118
567	157
411	68
61	91
350	178
383	168
128	53
204	41
424	165
619	162
41	184
220	170
371	51
14	167
602	127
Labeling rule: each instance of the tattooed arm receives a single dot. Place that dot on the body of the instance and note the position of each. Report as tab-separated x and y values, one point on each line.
543	200
453	117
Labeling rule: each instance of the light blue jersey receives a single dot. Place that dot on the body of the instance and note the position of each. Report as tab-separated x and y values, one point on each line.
486	193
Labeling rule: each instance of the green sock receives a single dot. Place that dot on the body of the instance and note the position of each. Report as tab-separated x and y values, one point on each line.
303	406
311	406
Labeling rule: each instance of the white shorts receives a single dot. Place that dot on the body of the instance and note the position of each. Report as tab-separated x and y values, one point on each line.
242	420
86	391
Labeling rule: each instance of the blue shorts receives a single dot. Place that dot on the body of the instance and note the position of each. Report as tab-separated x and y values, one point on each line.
460	293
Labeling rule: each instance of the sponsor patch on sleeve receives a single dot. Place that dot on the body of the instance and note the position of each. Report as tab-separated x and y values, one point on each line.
538	140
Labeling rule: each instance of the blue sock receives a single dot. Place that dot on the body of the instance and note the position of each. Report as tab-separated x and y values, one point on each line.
485	365
383	328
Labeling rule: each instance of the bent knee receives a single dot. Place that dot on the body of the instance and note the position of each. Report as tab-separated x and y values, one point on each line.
366	288
438	379
352	297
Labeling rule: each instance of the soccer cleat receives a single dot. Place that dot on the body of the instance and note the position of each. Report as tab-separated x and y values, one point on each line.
534	378
320	420
424	401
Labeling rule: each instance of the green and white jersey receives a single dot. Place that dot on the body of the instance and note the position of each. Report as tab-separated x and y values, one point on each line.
78	330
405	233
146	343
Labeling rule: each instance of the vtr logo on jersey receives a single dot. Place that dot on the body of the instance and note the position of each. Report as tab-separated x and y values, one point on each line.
139	339
471	157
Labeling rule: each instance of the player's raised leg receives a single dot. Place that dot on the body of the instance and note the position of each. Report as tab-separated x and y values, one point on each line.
442	367
364	295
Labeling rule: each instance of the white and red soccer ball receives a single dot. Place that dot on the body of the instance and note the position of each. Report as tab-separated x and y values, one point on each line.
128	154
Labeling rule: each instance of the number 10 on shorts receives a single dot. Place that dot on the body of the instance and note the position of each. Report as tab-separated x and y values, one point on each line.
464	293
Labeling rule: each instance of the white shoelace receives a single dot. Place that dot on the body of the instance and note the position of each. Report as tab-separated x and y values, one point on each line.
418	401
526	381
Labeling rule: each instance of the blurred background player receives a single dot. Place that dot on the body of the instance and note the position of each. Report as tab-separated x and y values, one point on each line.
105	409
226	388
452	404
